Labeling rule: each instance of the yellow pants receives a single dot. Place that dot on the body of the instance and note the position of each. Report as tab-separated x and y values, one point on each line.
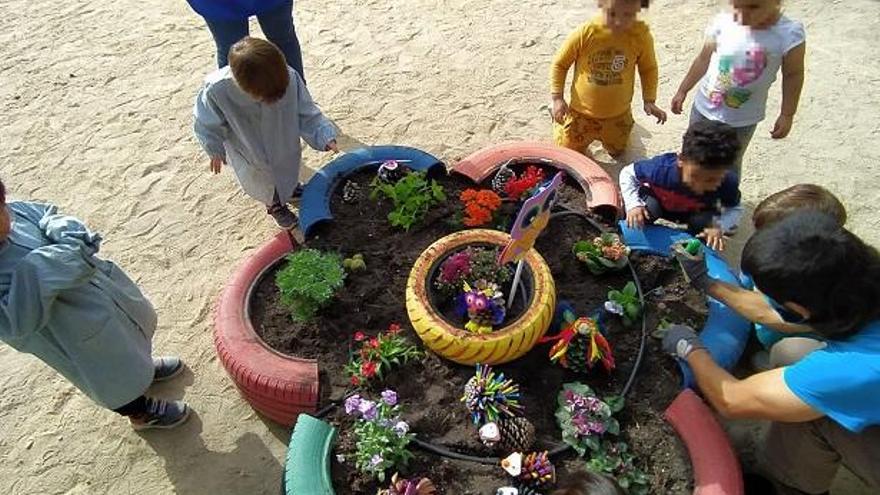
578	131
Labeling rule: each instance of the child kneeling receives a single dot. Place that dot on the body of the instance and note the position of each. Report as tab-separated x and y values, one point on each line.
695	187
251	115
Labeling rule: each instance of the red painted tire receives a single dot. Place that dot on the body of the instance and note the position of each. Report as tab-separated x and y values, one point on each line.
603	195
276	385
716	467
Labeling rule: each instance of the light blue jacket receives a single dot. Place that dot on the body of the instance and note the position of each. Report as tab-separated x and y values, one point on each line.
79	314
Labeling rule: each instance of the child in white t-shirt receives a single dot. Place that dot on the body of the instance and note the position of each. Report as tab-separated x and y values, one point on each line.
743	52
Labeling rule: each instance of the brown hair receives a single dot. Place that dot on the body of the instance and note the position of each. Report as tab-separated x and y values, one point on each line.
588	483
798	197
259	69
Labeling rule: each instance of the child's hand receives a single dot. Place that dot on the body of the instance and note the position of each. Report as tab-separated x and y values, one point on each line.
678	102
560	109
652	109
782	127
714	238
216	163
636	217
332	146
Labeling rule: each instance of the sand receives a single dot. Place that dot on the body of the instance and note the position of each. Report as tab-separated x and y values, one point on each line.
96	100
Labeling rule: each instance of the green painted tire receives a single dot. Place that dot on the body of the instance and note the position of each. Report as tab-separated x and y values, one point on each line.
307	469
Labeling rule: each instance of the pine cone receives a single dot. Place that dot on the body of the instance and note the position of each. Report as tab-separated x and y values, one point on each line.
502	177
577	355
517	435
351	192
525	489
537	470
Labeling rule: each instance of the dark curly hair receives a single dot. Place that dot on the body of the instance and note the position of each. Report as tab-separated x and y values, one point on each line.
588	483
710	144
809	259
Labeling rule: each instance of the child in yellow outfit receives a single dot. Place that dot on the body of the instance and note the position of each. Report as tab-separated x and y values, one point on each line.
605	52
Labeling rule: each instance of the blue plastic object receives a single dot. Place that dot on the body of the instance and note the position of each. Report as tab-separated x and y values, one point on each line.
314	206
726	333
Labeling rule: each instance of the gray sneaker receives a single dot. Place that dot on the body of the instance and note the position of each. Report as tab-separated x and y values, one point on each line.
283	217
167	367
161	414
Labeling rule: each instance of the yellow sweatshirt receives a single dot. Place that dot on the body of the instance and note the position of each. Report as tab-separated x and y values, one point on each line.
604	68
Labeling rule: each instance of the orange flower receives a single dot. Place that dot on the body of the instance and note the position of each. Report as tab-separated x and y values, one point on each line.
479	206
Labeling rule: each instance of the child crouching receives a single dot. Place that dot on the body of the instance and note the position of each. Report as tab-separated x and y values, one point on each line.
251	114
695	187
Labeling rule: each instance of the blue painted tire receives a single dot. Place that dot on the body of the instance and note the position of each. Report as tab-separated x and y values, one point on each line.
725	333
314	206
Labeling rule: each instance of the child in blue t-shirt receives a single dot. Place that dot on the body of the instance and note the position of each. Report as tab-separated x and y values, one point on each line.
695	187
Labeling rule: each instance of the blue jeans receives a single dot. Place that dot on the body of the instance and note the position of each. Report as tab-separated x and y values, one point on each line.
277	24
743	135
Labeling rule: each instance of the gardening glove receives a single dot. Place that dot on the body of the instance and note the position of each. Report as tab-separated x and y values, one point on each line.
681	340
694	266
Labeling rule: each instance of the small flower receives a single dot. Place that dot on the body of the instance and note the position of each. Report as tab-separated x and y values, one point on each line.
390	397
340	458
359	336
394	328
352	403
376	460
368	368
614	307
374	343
401	428
368	409
355	381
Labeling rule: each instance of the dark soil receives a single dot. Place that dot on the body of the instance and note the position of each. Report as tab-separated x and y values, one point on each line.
430	390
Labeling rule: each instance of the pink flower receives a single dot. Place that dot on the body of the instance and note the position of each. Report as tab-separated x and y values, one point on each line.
359	336
394	328
368	368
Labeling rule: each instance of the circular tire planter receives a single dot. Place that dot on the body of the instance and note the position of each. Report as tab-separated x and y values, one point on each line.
277	385
459	345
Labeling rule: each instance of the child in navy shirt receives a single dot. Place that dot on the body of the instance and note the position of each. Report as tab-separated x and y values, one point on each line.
695	187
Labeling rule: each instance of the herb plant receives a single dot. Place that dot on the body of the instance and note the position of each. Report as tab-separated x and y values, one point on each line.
382	437
584	418
615	459
379	354
412	196
308	281
626	303
603	254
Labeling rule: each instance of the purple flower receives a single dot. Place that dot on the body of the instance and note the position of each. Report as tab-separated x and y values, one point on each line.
368	409
596	427
376	460
390	397
401	428
352	404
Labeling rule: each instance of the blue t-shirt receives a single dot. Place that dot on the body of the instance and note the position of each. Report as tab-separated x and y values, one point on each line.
662	177
231	10
842	380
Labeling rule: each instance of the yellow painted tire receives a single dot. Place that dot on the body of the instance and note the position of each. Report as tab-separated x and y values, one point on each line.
459	345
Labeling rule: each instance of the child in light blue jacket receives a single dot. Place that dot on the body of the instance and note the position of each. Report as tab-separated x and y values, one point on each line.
80	314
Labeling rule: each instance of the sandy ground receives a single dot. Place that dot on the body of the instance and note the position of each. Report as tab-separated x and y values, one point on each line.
96	100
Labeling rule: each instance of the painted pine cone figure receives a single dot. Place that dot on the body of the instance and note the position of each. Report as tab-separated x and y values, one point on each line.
351	192
577	354
525	489
537	471
502	177
517	435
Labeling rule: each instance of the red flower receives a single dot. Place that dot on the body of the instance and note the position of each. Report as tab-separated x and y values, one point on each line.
394	328
374	343
368	368
355	380
359	336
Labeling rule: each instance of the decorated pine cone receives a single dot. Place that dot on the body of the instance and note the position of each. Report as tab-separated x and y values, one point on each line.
502	177
524	489
413	486
490	397
517	435
577	354
537	471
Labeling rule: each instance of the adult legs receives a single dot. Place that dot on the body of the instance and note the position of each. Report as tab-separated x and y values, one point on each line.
225	34
278	26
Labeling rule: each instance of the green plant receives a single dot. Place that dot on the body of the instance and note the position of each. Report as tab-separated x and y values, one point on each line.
382	437
308	281
615	459
584	418
470	265
379	354
355	263
626	303
603	254
412	196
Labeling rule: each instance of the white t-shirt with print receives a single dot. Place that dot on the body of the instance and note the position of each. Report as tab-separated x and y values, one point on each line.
743	67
